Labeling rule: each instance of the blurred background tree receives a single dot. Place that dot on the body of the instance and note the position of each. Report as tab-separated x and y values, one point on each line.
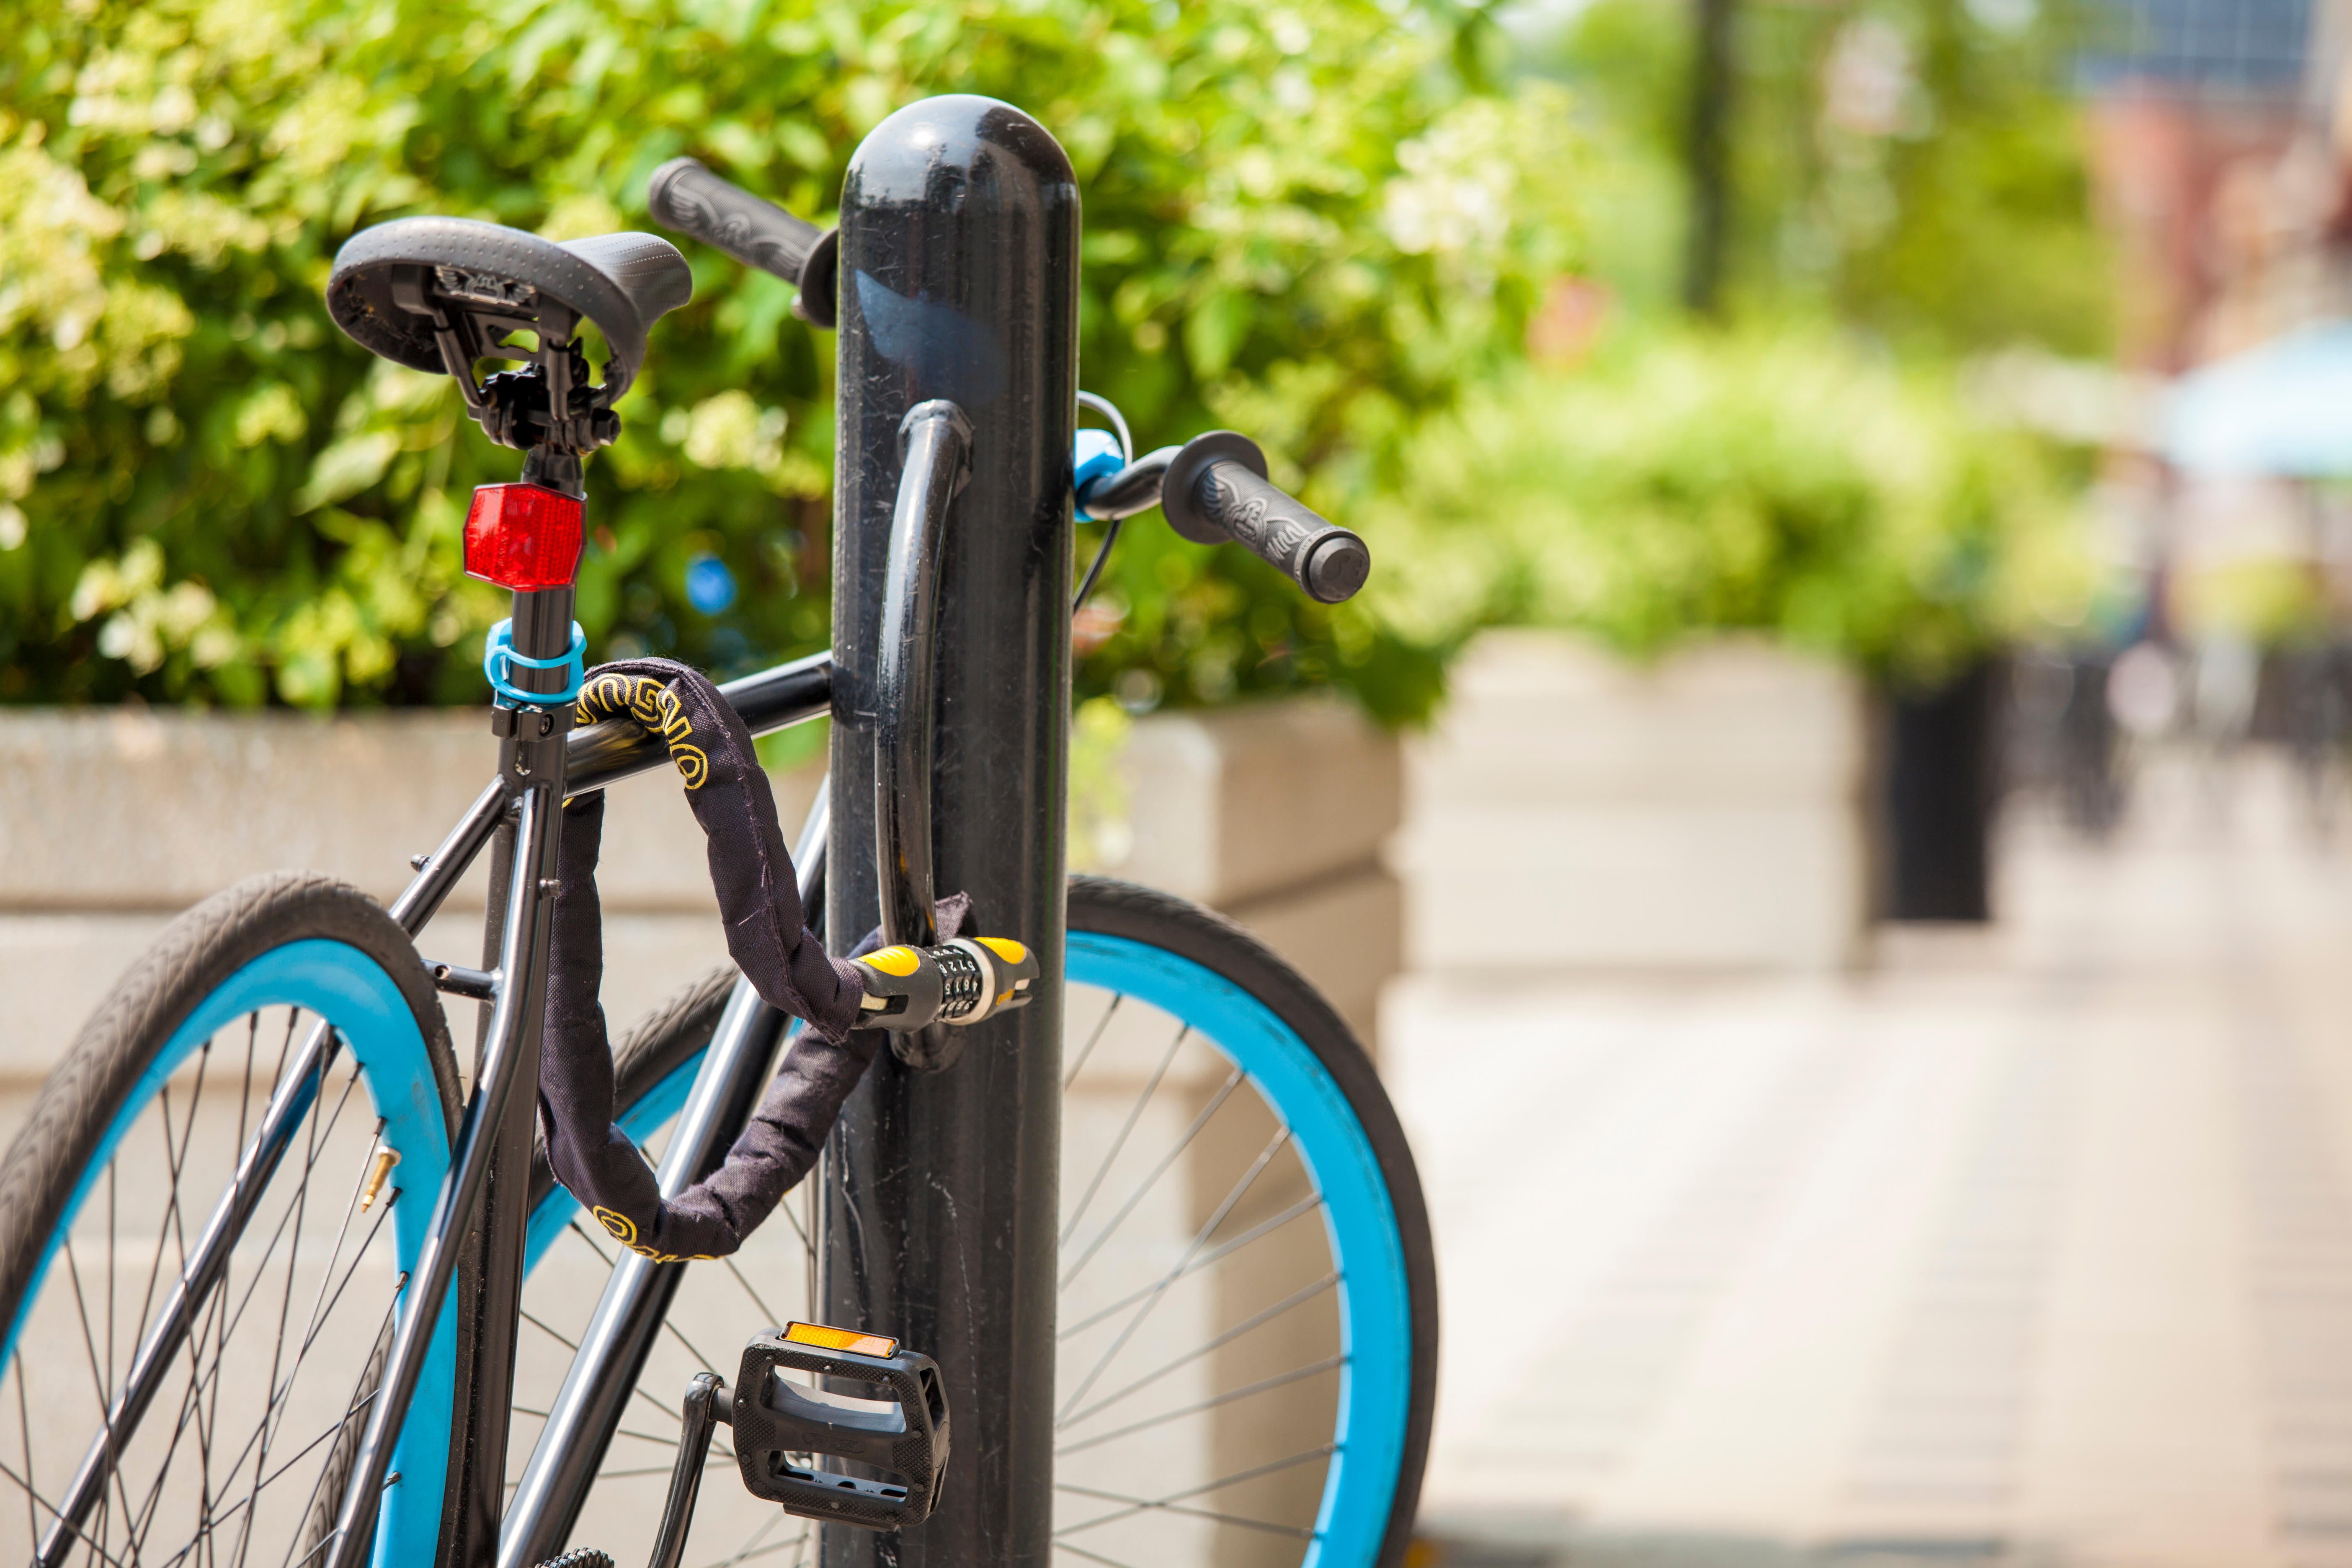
1777	479
1314	224
1917	168
1751	412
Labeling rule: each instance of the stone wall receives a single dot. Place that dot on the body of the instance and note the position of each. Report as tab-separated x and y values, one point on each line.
1572	810
111	821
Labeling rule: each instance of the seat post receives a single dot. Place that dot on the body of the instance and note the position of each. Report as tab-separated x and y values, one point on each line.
542	620
542	629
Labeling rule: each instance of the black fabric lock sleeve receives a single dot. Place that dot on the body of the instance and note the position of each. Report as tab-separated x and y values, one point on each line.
759	898
751	870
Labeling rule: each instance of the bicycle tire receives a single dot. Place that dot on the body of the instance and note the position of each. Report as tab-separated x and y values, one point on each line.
1210	975
325	953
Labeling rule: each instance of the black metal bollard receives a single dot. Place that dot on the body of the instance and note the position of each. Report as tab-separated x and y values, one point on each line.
959	280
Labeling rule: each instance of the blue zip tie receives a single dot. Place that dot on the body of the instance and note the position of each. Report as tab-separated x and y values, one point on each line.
498	654
1095	454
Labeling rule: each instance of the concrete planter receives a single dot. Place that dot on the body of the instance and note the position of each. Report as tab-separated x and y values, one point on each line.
111	821
1276	813
1574	811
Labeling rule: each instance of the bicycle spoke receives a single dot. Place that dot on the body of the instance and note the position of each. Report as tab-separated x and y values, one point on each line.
757	1536
217	1308
172	1165
1224	1091
701	1360
300	1207
1092	1041
593	1245
1134	1115
354	1407
192	1440
610	1260
191	1403
794	1545
283	1390
25	1431
37	1498
644	1437
1296	1299
765	1310
1240	1188
568	1344
105	1438
1280	1380
342	1229
785	1209
1062	1545
1192	1513
713	1463
375	1226
1221	1250
1306	1456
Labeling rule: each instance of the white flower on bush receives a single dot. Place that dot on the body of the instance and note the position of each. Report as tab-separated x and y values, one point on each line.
1454	192
729	431
1869	85
151	621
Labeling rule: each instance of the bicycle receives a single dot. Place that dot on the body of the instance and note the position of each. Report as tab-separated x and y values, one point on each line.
189	1386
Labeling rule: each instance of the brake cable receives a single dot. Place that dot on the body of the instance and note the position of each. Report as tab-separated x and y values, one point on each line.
1109	410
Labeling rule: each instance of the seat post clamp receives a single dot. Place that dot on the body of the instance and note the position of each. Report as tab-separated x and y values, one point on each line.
498	656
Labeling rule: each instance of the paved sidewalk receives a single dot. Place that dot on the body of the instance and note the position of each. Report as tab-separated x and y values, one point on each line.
2030	1243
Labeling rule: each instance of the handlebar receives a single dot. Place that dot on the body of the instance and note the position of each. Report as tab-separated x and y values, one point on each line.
689	198
1215	489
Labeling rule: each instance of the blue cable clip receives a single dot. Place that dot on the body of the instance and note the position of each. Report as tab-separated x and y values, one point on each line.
1094	455
499	654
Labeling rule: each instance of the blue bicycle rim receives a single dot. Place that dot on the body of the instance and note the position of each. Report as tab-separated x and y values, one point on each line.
1375	1312
335	981
1366	1250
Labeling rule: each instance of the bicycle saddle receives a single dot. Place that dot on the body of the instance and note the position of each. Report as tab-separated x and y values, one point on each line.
394	284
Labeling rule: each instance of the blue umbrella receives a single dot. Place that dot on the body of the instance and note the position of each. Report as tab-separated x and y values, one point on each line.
2282	408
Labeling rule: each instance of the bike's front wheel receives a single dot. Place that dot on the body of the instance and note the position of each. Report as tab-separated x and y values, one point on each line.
1247	1297
206	1227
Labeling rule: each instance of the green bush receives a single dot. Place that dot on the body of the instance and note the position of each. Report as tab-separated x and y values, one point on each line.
1784	482
1920	168
1300	221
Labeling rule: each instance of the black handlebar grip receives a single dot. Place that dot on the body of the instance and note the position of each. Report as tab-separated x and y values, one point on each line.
689	198
1216	490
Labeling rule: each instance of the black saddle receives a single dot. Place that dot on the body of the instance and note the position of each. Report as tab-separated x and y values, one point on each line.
395	288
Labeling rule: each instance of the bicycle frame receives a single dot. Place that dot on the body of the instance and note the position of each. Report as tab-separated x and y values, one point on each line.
495	1134
1003	243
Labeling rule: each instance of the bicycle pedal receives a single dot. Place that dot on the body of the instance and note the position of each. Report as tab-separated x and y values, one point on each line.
785	1430
581	1557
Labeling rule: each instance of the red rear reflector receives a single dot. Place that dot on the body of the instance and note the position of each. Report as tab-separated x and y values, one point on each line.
522	536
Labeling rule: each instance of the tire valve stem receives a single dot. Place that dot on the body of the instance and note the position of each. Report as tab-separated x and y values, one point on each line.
385	1158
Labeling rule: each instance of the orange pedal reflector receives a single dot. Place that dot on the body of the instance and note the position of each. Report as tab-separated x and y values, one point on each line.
850	1339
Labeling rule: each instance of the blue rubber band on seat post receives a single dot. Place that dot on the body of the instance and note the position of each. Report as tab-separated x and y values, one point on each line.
498	654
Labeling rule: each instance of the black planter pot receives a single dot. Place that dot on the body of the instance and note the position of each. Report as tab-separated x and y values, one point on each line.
1941	788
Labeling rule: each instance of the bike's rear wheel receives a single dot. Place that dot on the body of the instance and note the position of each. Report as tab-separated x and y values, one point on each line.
260	1369
1248	1301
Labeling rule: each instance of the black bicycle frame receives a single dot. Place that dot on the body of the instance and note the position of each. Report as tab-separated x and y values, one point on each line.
475	1210
489	1177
